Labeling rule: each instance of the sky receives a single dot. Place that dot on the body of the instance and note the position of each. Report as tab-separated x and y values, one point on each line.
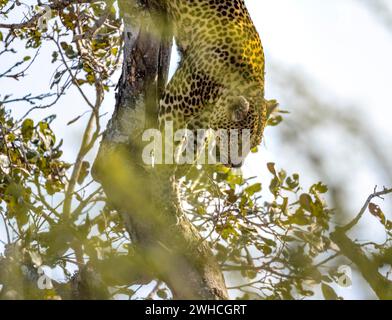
345	52
337	44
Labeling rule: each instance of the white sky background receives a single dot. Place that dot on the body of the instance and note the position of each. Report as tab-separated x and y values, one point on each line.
338	44
346	53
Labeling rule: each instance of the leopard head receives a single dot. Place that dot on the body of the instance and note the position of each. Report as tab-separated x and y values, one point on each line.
239	122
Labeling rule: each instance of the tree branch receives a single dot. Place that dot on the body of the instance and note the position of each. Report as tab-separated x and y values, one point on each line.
56	5
375	194
171	246
368	267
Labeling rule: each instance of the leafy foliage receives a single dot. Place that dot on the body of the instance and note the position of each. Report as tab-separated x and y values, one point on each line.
272	239
29	156
272	244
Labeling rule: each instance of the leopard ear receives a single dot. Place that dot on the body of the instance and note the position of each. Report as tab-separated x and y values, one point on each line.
239	108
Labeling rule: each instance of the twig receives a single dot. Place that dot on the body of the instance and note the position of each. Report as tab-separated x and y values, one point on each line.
355	221
21	73
98	24
74	81
30	23
6	227
28	98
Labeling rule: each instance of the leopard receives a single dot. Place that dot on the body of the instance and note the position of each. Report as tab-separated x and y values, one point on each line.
219	82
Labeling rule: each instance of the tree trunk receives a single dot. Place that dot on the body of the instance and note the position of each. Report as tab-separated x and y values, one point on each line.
172	249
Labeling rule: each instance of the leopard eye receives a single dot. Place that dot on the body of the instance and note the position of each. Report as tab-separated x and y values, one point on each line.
239	109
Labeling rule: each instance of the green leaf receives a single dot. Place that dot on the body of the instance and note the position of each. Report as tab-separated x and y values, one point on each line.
114	51
55	55
271	168
275	186
27	129
43	126
234	179
299	218
274	120
64	45
255	188
293	182
266	250
306	202
320	188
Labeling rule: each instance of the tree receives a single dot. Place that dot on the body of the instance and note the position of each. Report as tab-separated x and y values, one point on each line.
282	243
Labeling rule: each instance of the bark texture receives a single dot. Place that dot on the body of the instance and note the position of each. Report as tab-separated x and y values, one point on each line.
168	245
